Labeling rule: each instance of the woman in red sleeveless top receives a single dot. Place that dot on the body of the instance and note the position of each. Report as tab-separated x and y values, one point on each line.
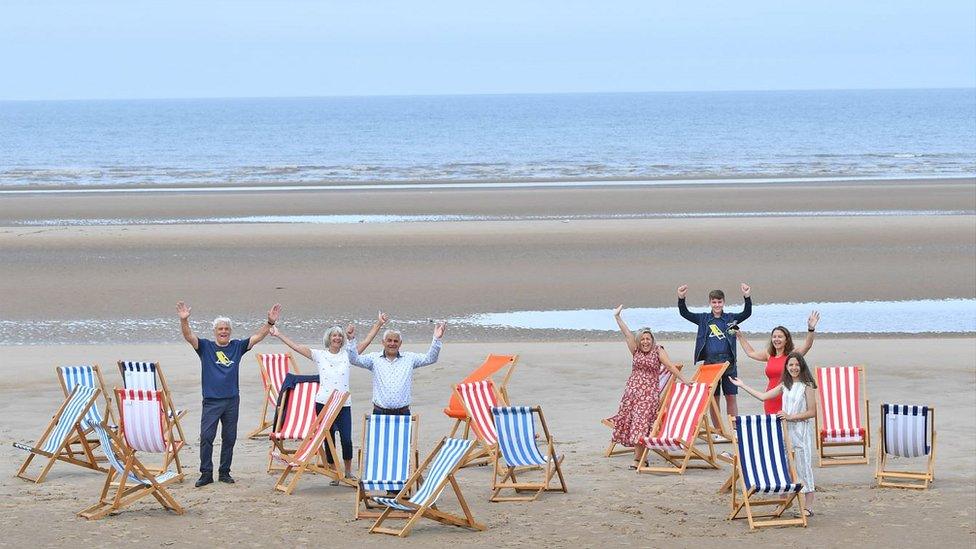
777	350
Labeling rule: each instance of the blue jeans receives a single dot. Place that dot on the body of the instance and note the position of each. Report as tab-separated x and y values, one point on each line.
343	426
224	410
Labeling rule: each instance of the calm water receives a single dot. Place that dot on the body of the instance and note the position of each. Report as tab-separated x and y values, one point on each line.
489	138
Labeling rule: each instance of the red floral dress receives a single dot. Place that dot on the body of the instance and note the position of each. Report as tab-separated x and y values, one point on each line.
641	400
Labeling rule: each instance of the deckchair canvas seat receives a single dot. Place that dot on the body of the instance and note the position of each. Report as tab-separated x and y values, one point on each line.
907	439
838	420
387	457
518	449
273	368
65	426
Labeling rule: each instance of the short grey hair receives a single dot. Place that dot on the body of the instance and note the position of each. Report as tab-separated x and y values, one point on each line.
222	320
392	332
327	338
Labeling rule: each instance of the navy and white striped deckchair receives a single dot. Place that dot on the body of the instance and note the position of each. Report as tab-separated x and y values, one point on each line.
762	465
906	432
148	376
441	464
388	450
515	426
65	426
130	479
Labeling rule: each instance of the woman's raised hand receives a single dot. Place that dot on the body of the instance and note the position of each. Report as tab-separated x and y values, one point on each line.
350	331
813	320
618	310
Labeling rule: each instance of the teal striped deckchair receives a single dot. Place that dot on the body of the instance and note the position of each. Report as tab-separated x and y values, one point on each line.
442	463
515	426
63	427
87	375
388	450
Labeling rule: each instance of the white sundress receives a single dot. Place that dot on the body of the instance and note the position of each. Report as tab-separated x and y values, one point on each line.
801	434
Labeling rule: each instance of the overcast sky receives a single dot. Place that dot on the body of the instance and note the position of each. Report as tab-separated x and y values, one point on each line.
71	49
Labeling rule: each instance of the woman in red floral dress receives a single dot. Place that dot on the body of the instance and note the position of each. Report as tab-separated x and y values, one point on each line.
641	400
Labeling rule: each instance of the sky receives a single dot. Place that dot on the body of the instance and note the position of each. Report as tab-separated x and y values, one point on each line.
118	49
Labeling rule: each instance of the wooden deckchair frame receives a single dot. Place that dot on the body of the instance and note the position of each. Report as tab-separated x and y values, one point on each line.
89	442
665	392
678	463
429	510
173	445
826	459
63	452
177	415
126	491
365	507
316	462
500	480
457	411
700	377
748	498
269	392
904	479
487	452
279	444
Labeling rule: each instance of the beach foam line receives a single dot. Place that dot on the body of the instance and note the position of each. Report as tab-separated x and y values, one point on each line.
488	185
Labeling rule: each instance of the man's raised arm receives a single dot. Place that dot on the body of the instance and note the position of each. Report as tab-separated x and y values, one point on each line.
184	311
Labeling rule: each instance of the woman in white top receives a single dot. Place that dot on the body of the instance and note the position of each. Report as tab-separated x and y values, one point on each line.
333	365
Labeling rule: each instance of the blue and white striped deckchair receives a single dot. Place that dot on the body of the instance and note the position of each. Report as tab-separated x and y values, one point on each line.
442	463
906	432
515	426
128	479
762	465
388	450
148	376
87	375
65	426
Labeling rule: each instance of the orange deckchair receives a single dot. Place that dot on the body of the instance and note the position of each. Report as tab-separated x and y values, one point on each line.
712	375
455	408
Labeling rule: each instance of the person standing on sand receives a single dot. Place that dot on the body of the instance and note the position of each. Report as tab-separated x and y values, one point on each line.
641	401
393	369
779	347
220	362
712	344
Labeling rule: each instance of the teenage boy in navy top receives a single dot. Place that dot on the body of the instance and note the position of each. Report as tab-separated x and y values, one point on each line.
220	362
714	344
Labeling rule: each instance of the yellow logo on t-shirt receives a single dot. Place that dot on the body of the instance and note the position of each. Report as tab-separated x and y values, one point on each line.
222	359
716	332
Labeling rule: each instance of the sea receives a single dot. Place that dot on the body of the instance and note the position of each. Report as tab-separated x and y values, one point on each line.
488	138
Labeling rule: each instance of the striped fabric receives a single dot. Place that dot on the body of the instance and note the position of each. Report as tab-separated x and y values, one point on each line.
329	410
139	375
685	407
762	455
906	430
142	419
106	445
839	390
86	377
70	416
276	367
516	436
387	464
479	398
663	379
446	461
299	412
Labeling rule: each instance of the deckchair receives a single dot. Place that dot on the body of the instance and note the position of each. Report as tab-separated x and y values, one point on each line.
517	447
147	426
675	432
273	368
763	465
88	375
455	409
712	374
293	419
906	432
442	463
149	376
128	480
309	457
388	450
664	383
477	399
53	443
839	417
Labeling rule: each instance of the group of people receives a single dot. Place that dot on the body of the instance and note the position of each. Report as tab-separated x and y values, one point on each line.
790	391
220	360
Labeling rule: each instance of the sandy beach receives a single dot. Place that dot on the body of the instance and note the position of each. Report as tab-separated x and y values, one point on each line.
583	257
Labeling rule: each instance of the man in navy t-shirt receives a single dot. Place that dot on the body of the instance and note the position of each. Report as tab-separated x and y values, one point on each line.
220	362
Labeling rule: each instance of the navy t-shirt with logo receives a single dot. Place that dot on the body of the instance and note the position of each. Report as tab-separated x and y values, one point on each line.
717	341
220	367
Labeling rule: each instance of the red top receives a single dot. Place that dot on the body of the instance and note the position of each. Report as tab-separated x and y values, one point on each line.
774	371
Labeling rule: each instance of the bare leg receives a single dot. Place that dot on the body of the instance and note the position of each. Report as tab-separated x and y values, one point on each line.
638	452
808	501
348	464
731	406
714	414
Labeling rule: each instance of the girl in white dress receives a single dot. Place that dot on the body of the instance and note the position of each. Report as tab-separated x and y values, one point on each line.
799	410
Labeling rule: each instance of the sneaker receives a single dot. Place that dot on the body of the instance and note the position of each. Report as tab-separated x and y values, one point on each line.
204	480
226	478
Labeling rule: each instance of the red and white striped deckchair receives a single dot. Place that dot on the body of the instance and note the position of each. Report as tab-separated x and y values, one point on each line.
295	417
274	368
147	426
839	415
478	398
309	456
675	431
664	382
149	376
